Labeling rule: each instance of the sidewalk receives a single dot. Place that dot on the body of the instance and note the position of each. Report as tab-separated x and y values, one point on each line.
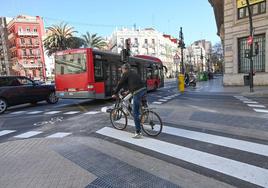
216	85
89	162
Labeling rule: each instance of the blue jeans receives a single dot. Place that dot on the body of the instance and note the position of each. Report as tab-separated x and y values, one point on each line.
136	109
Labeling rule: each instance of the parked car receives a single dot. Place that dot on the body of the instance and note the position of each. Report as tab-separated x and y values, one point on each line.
16	90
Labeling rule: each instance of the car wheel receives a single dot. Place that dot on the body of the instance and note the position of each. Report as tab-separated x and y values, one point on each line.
3	106
52	98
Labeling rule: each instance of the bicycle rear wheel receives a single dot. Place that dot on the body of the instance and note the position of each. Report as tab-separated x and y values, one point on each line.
151	123
118	118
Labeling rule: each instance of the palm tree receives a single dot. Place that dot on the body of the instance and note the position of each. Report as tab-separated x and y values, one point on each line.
61	37
93	41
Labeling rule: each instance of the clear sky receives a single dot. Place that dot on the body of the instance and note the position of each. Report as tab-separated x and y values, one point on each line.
103	16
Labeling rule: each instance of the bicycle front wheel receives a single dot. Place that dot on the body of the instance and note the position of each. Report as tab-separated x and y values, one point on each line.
118	118
151	123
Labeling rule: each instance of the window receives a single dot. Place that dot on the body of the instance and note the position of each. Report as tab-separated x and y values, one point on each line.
24	81
22	41
70	63
20	29
35	30
256	9
24	52
146	41
98	70
259	59
31	52
28	29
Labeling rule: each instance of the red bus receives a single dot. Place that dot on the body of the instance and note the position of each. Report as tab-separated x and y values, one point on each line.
93	74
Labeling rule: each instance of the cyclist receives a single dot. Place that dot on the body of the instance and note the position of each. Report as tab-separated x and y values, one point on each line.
135	85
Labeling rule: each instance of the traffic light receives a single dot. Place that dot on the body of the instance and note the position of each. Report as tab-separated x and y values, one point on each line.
250	40
128	46
256	48
247	53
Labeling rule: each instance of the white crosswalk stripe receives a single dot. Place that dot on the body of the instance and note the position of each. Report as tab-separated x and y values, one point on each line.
52	112
260	110
92	113
59	135
71	112
5	132
18	112
240	170
256	105
157	102
35	112
28	134
213	139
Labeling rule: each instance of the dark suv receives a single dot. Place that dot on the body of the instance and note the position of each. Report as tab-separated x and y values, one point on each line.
16	90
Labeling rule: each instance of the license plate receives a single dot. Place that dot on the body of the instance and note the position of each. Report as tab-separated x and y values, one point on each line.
71	89
71	94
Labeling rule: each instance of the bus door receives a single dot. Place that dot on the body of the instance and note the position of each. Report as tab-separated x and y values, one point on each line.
112	77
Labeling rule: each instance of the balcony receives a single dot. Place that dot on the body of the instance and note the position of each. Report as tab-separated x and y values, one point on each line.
32	65
27	33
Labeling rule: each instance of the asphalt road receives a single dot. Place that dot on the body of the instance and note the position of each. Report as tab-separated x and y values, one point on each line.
210	139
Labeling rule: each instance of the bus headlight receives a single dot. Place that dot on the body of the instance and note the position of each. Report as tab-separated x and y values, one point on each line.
90	86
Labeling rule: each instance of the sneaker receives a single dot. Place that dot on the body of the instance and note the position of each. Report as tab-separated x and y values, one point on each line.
137	135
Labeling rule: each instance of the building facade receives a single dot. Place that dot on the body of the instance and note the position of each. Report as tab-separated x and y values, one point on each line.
233	28
148	42
4	48
197	56
26	46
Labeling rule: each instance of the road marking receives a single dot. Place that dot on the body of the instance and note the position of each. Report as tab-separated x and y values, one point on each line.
72	112
167	98
92	112
162	100
53	112
59	135
4	132
157	102
243	171
35	112
104	109
260	110
250	102
256	105
18	112
28	134
213	139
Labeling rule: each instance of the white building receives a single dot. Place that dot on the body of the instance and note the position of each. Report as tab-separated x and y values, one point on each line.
198	55
147	42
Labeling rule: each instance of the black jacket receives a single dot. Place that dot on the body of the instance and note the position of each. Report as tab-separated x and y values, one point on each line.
131	80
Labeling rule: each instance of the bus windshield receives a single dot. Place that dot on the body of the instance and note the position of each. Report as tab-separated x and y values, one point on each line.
70	63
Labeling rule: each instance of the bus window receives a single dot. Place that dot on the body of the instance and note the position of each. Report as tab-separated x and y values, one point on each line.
149	73
98	71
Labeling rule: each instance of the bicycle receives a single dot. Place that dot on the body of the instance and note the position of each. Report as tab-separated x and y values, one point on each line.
151	122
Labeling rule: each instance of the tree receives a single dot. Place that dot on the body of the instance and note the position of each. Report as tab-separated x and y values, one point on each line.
217	57
93	41
61	37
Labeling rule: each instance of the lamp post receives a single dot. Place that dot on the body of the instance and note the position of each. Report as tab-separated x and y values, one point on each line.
251	46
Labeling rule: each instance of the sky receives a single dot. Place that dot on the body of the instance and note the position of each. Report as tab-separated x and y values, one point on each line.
196	17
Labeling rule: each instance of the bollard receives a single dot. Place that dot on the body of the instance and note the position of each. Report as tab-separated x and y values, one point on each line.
181	83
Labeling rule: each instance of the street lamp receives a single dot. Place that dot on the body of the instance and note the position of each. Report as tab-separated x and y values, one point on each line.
251	46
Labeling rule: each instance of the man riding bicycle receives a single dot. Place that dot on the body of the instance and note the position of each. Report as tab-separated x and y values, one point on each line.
135	85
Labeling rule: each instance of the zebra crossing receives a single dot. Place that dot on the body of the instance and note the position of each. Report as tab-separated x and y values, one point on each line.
246	170
31	134
253	104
